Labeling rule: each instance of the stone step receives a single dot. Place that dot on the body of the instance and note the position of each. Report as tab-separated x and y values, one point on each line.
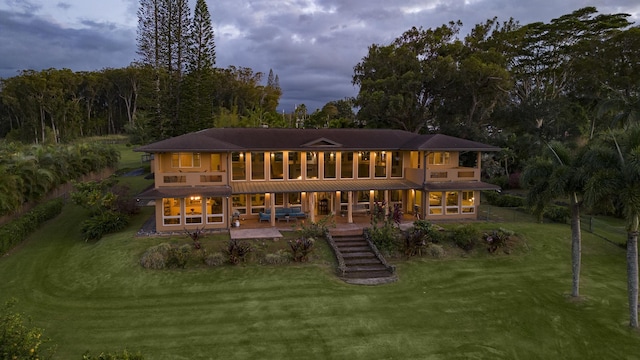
368	275
354	255
366	268
348	238
352	243
361	261
352	249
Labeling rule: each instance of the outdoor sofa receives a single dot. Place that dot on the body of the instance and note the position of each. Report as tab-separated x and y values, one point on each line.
283	213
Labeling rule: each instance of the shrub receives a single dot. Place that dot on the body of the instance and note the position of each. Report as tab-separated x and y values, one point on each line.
436	251
318	229
414	242
155	257
195	236
277	258
503	200
16	231
153	260
497	239
556	213
237	251
385	237
107	222
502	181
177	256
465	237
18	340
215	259
301	248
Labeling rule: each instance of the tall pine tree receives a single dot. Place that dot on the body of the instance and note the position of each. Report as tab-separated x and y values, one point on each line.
163	28
197	106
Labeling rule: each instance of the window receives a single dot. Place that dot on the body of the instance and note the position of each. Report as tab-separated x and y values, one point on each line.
277	165
239	203
381	164
215	212
279	199
329	165
295	199
257	166
396	164
171	211
238	166
364	160
438	158
362	196
452	202
435	203
193	210
346	165
395	195
468	202
312	165
185	160
216	162
295	165
257	203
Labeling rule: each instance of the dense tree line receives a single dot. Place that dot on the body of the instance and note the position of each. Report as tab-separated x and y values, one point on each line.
59	105
171	89
516	86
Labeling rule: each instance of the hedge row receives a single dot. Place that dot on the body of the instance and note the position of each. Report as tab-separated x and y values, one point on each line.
16	231
503	200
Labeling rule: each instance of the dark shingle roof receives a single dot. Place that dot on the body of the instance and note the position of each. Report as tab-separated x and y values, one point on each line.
260	139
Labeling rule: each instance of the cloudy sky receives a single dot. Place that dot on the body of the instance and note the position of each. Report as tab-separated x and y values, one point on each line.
312	45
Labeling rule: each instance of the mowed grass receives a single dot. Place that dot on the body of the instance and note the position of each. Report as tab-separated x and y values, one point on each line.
96	297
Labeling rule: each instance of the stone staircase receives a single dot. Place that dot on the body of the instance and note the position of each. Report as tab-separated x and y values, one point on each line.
361	265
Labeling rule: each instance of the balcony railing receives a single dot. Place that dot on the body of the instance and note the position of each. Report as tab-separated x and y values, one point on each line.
192	178
454	174
435	175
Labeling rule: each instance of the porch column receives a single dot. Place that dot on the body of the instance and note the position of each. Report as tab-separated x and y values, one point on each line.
312	207
228	212
350	207
272	206
386	202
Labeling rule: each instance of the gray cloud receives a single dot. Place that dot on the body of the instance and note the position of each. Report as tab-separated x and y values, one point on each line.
312	45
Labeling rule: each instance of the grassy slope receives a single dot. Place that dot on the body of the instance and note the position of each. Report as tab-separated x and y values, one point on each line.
94	296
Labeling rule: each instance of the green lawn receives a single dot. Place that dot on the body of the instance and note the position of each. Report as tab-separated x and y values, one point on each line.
95	296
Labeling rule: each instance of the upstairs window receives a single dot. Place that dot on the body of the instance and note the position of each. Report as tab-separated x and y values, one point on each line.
238	166
438	158
185	160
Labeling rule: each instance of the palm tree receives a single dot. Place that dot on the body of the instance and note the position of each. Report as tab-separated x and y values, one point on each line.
614	165
558	174
10	191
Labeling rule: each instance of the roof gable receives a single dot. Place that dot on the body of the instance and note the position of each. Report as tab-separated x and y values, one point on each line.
322	142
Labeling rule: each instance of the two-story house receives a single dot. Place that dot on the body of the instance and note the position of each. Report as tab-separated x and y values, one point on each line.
207	178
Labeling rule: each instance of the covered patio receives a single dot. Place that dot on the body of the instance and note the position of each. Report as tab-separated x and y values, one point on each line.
341	223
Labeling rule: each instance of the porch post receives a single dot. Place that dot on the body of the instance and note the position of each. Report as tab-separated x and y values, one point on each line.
312	207
229	211
350	207
272	206
386	202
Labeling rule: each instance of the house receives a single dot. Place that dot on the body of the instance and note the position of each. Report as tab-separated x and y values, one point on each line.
212	177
